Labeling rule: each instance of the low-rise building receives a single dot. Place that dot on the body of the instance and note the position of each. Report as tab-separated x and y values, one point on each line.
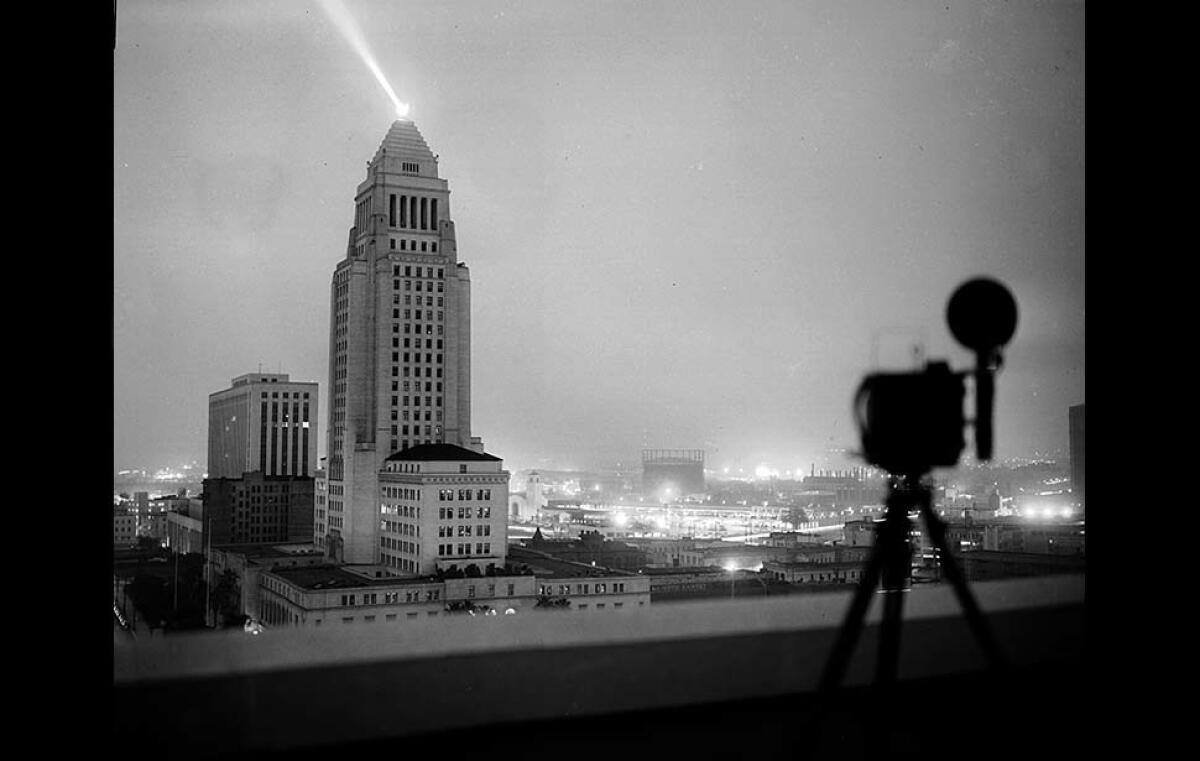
124	528
323	595
793	539
982	565
1022	536
815	573
185	534
663	553
259	509
590	547
249	561
329	594
729	555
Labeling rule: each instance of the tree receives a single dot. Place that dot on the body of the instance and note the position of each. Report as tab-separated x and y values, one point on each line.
226	596
796	515
546	601
472	571
150	598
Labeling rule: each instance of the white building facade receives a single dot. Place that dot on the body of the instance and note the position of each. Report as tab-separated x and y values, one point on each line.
400	338
439	506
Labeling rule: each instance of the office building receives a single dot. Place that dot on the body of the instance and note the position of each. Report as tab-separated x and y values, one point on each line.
263	422
441	505
400	340
262	457
257	508
124	527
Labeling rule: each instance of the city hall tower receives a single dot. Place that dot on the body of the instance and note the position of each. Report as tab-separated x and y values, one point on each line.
399	339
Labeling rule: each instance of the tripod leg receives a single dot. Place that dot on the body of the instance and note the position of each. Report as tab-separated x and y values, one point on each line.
889	637
975	619
847	637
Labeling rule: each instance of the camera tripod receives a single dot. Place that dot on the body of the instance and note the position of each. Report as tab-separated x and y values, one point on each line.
891	563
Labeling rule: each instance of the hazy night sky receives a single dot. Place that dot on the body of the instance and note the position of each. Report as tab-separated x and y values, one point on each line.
688	224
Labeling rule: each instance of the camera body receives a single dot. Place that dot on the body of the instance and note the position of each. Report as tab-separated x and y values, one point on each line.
911	422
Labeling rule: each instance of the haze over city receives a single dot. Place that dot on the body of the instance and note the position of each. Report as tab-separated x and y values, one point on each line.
689	224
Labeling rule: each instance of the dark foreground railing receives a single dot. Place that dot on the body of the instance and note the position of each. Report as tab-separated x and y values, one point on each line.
680	672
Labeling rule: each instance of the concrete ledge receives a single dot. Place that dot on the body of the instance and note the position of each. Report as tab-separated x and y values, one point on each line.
230	692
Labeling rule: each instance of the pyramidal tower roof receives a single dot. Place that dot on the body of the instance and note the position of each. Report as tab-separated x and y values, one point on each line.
403	140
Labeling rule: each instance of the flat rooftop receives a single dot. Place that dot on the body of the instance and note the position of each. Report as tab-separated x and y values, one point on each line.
798	566
548	565
277	550
317	577
683	570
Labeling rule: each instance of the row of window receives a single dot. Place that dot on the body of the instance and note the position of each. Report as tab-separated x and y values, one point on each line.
406	245
408	548
404	511
415	271
428	345
409	330
582	589
409	302
407	566
491	590
428	316
396	527
462	513
412	212
372	598
401	492
420	286
447	495
448	531
417	417
481	548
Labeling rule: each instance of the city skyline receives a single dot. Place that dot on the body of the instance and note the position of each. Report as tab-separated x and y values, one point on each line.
690	241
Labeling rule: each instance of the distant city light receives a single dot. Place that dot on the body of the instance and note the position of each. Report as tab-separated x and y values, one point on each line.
730	566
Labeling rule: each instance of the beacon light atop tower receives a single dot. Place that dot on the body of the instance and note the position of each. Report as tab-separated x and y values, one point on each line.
340	16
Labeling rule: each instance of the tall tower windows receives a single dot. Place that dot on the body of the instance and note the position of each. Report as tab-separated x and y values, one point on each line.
424	209
392	210
403	214
433	215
